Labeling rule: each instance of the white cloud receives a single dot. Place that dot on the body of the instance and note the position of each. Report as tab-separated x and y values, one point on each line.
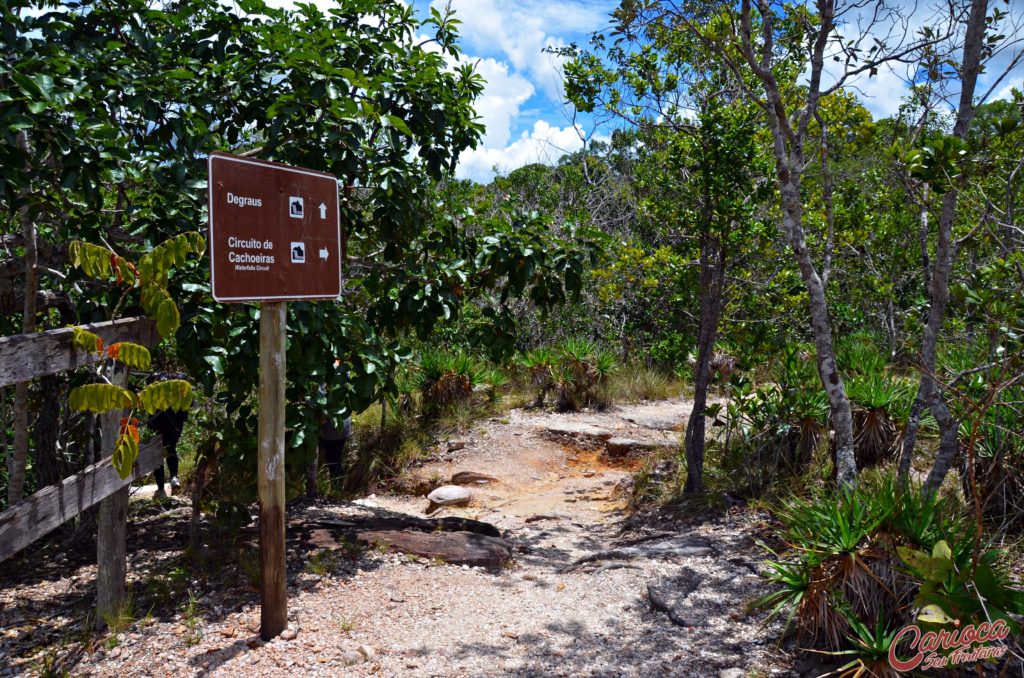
500	102
544	144
1006	91
883	93
521	30
510	36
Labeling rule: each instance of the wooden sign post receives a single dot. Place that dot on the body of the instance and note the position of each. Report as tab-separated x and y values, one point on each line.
275	236
274	581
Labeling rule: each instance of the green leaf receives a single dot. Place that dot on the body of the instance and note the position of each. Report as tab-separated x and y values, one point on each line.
934	614
45	85
92	259
126	451
155	265
400	125
932	569
87	341
132	355
173	394
167	318
942	550
100	398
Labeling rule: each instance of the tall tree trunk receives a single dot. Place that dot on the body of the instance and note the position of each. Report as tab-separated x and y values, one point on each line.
1011	238
19	456
914	420
48	466
712	278
945	251
7	450
788	148
828	371
928	389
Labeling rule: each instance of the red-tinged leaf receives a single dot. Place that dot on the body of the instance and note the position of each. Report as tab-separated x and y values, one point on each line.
133	355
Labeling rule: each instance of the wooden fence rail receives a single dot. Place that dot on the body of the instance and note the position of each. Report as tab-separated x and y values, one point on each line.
39	354
30	356
50	507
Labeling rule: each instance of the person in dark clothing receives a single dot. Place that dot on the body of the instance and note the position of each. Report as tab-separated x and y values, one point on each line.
332	445
169	424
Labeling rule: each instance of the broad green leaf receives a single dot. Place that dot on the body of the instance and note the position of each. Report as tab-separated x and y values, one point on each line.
934	614
132	355
92	259
174	394
942	550
167	318
399	124
152	297
125	453
932	569
87	341
155	265
99	398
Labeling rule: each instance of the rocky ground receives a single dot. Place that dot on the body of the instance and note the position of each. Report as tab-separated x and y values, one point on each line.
591	590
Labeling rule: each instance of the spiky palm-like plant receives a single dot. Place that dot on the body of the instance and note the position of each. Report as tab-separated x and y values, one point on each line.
844	584
564	386
860	355
808	422
494	380
446	378
876	399
539	363
998	460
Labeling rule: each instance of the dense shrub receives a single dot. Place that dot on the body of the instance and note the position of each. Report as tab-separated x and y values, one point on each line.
866	563
774	428
998	460
577	373
880	405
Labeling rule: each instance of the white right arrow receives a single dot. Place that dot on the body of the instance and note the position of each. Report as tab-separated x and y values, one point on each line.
323	252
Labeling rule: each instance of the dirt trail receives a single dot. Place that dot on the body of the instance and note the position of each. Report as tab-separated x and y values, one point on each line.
557	501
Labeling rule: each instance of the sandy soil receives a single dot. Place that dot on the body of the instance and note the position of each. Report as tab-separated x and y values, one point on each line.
392	615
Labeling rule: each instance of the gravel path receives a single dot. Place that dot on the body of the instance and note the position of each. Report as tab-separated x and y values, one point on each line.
386	614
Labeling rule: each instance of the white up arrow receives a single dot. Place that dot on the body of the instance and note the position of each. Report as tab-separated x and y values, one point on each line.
323	252
323	211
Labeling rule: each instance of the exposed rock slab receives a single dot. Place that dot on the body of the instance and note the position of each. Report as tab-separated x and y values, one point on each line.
657	422
457	548
678	547
671	596
581	435
616	448
448	495
472	478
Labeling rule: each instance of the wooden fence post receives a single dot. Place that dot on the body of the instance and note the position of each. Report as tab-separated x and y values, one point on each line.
273	582
111	551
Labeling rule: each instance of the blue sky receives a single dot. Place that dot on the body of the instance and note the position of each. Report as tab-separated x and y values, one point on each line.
522	103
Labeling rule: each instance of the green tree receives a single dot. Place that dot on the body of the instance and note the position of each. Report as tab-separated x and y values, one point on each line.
123	102
940	165
699	161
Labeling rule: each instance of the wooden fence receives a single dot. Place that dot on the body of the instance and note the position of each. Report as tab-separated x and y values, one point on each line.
30	356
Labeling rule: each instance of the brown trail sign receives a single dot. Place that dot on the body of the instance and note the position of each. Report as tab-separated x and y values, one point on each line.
275	236
274	231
